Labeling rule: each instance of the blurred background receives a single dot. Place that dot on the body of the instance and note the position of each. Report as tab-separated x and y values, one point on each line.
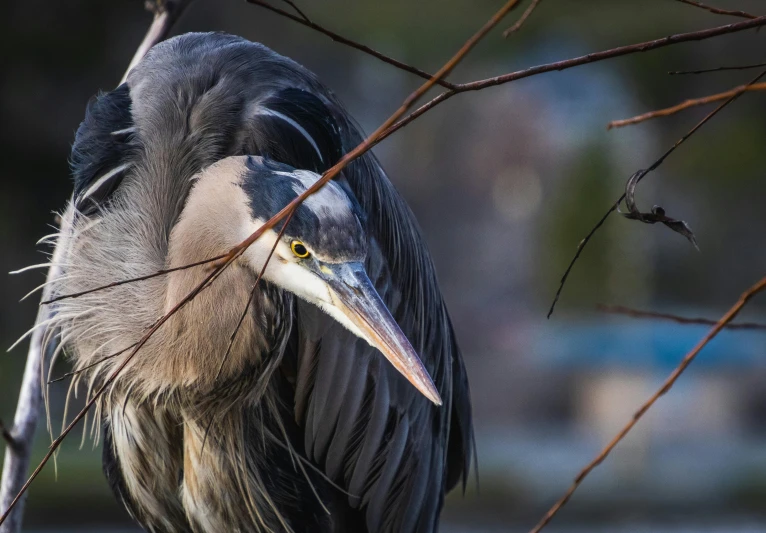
504	183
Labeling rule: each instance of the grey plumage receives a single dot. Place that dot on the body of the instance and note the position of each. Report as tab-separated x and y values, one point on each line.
305	418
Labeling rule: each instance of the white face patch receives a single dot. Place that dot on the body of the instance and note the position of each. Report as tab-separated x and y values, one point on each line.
283	269
287	273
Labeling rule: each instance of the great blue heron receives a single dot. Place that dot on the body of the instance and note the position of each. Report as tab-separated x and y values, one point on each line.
304	426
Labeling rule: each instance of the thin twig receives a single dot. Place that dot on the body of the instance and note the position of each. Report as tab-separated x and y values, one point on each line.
637	313
519	23
297	10
615	52
614	206
719	11
95	363
348	42
17	457
133	280
166	13
693	102
716	69
456	88
666	386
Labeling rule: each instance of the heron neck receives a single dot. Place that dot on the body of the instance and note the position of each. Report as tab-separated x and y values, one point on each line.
198	335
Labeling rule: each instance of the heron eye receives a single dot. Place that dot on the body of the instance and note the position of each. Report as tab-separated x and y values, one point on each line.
299	250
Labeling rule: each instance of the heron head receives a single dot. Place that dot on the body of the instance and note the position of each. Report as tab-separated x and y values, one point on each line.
320	258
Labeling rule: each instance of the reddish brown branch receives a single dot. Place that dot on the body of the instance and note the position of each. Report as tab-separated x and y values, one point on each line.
348	42
456	88
719	11
666	386
615	52
686	105
519	23
637	313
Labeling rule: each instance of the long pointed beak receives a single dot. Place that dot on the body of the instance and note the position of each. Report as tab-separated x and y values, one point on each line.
356	298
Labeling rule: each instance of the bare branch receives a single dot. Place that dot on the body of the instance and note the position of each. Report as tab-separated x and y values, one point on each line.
303	19
643	173
756	21
17	456
717	69
686	105
95	363
615	52
666	386
575	62
519	23
166	12
719	11
637	313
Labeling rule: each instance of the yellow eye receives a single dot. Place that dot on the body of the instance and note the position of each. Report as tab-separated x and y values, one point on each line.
299	250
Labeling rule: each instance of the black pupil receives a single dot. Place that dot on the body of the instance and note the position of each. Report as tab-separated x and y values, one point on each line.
300	249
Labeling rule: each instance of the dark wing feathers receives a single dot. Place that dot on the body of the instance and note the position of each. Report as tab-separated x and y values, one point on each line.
101	147
283	130
308	111
95	148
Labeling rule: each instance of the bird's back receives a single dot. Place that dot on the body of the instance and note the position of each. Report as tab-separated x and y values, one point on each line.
373	451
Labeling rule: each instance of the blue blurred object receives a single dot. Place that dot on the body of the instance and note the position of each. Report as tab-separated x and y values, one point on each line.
643	344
